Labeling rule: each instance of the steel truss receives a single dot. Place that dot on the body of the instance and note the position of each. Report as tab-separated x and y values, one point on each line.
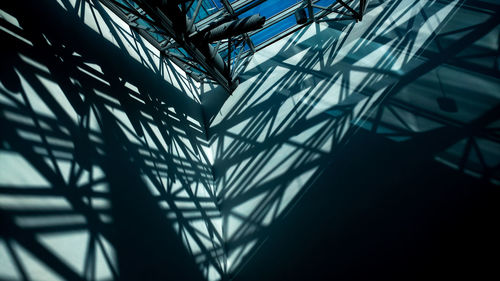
349	10
172	27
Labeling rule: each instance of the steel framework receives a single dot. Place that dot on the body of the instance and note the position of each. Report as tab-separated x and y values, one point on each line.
174	28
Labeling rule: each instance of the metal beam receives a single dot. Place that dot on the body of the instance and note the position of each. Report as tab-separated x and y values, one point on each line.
344	4
310	11
168	20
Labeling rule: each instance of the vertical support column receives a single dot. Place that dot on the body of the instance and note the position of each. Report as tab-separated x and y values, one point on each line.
310	11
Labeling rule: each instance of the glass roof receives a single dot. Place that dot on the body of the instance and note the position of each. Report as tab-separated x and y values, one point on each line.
280	22
279	15
208	7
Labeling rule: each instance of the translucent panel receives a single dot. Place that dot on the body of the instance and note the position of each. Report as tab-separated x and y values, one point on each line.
269	8
208	7
156	34
273	30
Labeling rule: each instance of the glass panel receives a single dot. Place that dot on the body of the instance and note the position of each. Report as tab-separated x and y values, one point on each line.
208	7
273	30
156	35
269	8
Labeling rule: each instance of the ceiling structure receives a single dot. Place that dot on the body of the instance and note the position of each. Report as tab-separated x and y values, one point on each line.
81	102
180	29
